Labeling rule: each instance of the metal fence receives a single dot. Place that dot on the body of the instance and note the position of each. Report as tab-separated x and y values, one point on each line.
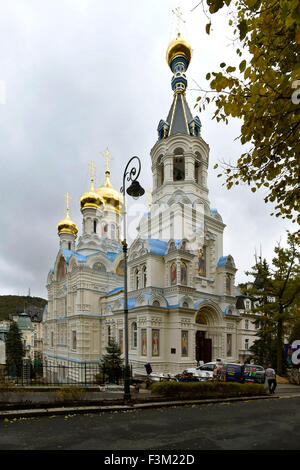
56	375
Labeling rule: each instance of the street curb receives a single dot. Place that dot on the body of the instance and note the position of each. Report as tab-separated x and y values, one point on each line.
32	413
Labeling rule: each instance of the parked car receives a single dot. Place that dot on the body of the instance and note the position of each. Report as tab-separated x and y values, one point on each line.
254	373
204	372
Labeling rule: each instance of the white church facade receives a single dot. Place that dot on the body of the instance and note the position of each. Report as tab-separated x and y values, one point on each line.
181	287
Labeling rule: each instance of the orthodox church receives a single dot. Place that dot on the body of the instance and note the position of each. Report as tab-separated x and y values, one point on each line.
181	293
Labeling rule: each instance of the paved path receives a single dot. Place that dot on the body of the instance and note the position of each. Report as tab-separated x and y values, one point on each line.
262	424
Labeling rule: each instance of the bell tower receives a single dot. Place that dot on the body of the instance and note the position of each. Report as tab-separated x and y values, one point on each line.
180	156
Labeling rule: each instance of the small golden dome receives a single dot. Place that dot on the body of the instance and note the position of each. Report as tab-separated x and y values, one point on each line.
91	199
67	226
112	198
178	47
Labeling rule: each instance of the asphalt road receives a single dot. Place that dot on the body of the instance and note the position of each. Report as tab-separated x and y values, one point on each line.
262	424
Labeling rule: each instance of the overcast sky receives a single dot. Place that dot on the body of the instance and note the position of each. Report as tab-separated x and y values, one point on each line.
77	76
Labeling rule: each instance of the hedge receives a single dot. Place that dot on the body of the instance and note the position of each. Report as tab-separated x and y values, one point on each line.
199	390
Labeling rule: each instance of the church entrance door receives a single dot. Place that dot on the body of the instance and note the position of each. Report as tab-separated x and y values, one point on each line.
203	347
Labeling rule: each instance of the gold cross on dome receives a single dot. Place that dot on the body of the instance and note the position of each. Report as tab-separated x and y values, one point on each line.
93	168
178	14
67	203
107	156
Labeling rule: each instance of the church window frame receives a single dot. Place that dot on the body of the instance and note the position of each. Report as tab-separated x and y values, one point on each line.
173	274
228	284
145	275
113	231
137	278
183	273
134	333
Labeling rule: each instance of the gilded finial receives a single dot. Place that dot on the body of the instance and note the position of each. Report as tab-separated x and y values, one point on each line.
108	157
67	203
93	168
178	14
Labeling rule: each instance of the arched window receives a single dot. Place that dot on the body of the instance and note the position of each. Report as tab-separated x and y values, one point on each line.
228	284
120	268
136	277
145	276
95	226
185	305
173	274
178	165
99	267
134	335
108	334
183	273
104	230
62	269
172	246
156	303
113	231
202	261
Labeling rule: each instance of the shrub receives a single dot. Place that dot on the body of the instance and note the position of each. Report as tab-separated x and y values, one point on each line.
199	390
71	393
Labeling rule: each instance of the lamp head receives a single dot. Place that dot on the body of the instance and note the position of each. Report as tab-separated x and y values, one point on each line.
135	190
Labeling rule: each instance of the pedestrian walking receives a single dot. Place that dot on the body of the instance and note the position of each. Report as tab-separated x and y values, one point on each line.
271	378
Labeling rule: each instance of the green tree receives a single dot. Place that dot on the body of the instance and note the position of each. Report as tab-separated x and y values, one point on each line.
295	332
112	362
262	89
14	350
277	293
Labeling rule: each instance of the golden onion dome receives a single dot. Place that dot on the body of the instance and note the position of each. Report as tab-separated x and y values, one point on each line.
91	199
67	225
113	199
178	47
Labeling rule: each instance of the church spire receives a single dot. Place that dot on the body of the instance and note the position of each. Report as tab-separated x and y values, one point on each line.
180	118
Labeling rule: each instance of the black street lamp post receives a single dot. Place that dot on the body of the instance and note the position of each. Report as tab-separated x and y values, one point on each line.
135	190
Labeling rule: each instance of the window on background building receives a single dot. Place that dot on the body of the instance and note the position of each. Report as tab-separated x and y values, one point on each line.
247	324
108	334
246	344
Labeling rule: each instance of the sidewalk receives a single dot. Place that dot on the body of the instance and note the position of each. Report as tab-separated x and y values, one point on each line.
112	400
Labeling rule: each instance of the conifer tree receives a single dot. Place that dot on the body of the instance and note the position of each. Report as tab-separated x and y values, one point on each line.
14	350
112	361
